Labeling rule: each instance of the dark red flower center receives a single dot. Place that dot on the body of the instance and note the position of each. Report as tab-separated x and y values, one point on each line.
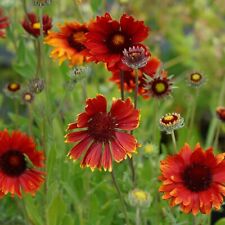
13	87
13	163
102	127
117	42
197	177
77	38
160	87
170	119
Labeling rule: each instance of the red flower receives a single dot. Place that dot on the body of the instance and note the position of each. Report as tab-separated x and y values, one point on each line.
107	38
32	24
220	112
3	23
100	137
194	180
129	77
18	157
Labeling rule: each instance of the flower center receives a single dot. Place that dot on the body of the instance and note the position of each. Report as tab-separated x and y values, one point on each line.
37	26
118	39
160	87
77	38
169	119
197	177
140	195
13	87
13	163
196	77
102	127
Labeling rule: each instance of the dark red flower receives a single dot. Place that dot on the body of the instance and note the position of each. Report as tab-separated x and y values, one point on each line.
107	38
129	77
194	179
3	23
18	159
220	112
32	25
100	137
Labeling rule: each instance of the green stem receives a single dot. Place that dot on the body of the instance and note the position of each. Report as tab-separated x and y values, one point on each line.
136	89
122	84
174	141
121	198
215	144
30	116
138	222
194	220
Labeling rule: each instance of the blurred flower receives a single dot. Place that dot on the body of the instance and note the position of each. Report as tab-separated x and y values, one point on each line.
68	43
36	85
12	89
32	24
193	179
129	77
18	159
3	23
139	198
196	79
220	112
107	38
158	86
103	138
150	148
27	97
171	122
41	2
136	56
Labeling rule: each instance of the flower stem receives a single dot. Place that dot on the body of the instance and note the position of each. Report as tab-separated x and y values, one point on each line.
138	222
136	89
121	198
216	139
122	84
30	116
194	220
174	141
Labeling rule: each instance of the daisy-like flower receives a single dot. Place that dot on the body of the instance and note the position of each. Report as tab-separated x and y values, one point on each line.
41	2
129	77
32	24
220	112
158	86
68	43
3	23
107	38
136	56
12	89
27	97
100	137
194	179
171	122
139	198
18	159
36	85
196	79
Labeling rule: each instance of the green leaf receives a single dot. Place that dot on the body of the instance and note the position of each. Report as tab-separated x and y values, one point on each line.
96	4
220	222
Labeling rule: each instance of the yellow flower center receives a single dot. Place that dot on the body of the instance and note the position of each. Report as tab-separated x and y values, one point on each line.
36	25
79	36
196	77
148	148
160	87
13	86
118	39
140	195
27	97
168	118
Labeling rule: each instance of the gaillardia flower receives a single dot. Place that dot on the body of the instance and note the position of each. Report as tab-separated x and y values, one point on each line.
139	198
12	89
171	122
196	79
220	112
68	43
129	77
36	85
194	179
18	159
3	23
27	97
32	24
107	38
101	135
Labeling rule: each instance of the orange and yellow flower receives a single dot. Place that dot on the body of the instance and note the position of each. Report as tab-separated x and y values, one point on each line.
101	136
68	43
194	179
18	159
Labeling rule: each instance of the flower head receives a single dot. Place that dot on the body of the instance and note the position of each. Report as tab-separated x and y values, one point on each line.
18	159
107	38
100	137
171	122
68	43
135	57
27	97
139	198
41	2
32	24
158	86
129	77
36	85
220	112
193	179
196	79
3	23
12	89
